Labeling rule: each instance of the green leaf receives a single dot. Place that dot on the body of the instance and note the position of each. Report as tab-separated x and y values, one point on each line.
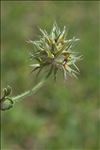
62	35
35	65
50	71
55	72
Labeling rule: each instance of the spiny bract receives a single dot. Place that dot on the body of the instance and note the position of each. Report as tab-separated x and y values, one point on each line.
54	52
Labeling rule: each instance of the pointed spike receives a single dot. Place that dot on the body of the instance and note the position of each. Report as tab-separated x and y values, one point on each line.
50	71
74	75
55	72
76	67
64	73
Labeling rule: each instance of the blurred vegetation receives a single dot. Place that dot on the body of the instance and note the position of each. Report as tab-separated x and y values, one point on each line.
62	115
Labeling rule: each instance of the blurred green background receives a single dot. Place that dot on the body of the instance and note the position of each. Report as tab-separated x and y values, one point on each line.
62	115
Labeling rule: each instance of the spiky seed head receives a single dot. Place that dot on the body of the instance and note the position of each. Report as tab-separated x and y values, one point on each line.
54	51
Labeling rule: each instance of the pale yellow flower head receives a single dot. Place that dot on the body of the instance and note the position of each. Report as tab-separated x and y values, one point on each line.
54	51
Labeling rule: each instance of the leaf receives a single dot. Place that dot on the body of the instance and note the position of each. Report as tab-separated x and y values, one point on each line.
70	44
74	75
55	72
62	35
71	40
50	71
35	69
35	65
39	71
59	52
64	73
47	49
76	67
45	34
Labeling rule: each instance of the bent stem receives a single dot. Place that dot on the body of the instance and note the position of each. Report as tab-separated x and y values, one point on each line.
29	92
8	102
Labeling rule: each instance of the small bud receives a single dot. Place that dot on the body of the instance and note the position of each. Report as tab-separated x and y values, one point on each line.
7	104
7	91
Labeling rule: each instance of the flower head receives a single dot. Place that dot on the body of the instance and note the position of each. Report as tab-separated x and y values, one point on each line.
54	52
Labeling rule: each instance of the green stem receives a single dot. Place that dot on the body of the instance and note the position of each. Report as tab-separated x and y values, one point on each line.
8	102
30	92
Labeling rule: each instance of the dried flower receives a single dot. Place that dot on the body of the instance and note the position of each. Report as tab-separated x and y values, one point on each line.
54	52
